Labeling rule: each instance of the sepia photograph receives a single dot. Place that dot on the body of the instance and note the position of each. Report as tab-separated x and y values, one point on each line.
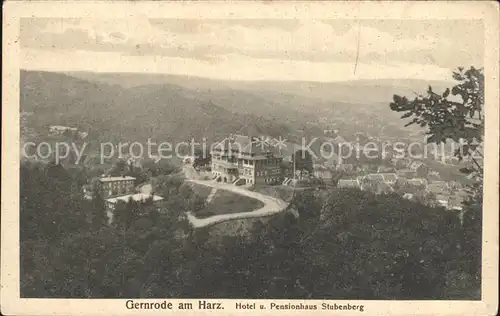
293	161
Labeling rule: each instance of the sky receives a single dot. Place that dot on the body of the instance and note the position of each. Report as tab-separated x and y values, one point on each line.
305	50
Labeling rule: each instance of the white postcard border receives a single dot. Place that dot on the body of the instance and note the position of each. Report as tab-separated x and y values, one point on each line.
488	11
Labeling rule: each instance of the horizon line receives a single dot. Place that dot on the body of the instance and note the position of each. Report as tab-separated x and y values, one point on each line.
70	72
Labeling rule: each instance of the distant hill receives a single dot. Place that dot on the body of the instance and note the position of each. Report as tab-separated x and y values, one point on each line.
162	112
352	106
353	92
165	107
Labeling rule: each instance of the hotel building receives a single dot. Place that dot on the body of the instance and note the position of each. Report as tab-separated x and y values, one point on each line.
243	160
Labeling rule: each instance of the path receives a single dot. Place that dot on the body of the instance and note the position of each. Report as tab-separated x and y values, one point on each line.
271	206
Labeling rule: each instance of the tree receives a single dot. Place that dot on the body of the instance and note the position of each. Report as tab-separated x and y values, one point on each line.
166	168
459	121
303	161
119	168
139	175
463	123
97	210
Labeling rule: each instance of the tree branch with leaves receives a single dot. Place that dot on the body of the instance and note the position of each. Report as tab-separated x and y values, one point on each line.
459	119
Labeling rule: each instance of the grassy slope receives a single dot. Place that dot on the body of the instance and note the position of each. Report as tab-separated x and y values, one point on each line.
226	202
201	190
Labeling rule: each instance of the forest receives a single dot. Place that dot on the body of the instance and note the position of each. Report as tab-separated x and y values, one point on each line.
345	244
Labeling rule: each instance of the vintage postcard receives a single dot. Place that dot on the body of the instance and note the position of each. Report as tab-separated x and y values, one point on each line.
270	157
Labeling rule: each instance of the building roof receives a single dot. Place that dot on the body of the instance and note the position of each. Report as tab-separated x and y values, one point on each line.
389	176
348	183
383	186
404	171
440	182
339	140
62	127
415	165
138	197
381	169
456	201
226	164
382	177
246	145
442	198
408	196
438	187
375	177
417	181
325	174
113	179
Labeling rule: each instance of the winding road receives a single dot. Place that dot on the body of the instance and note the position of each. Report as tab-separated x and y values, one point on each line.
271	206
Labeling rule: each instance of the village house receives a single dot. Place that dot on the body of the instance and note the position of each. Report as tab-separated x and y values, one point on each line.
400	162
438	187
323	174
408	196
115	186
155	158
83	135
455	202
379	182
87	192
433	175
339	140
442	200
452	160
119	189
240	159
415	182
345	167
349	183
384	169
137	197
383	187
59	129
198	161
419	167
412	186
388	178
111	203
406	173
